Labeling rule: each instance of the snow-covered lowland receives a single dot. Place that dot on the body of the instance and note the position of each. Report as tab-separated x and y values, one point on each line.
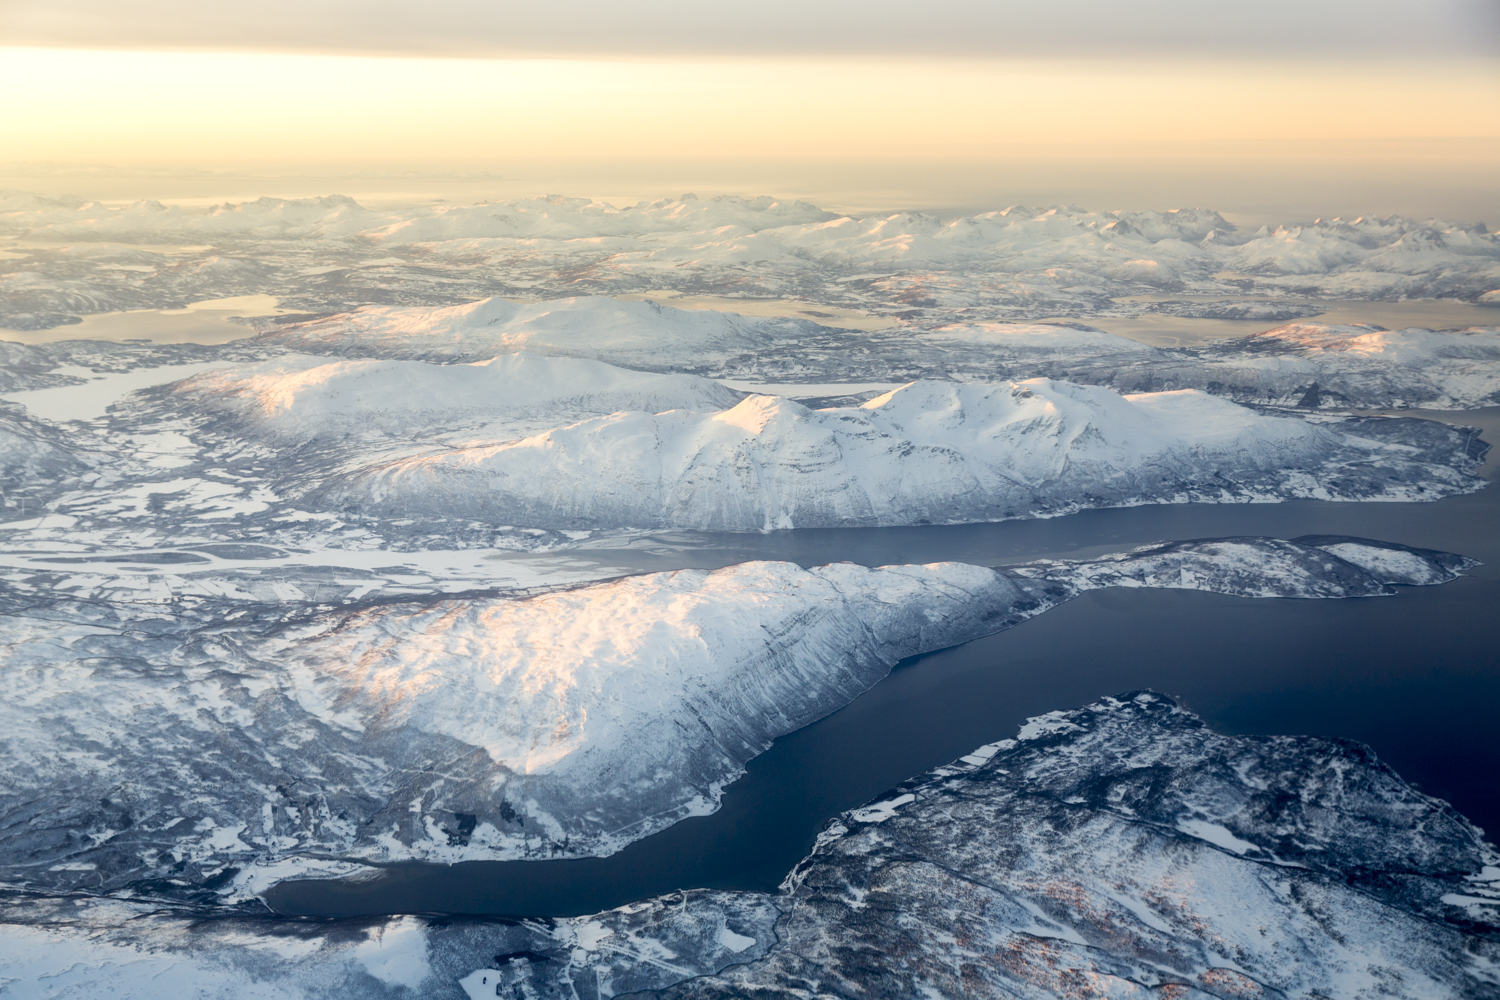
361	582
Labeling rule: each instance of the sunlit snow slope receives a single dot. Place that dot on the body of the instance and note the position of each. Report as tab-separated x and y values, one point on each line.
929	452
567	724
307	397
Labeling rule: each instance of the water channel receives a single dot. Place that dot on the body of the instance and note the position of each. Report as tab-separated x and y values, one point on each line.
1416	676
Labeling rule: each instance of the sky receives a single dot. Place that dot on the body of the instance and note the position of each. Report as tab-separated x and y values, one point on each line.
1323	106
674	28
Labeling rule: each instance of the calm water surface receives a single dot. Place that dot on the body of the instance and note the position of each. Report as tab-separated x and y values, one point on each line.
1416	676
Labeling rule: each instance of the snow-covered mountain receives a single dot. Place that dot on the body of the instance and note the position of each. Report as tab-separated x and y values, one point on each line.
1306	365
65	218
1122	850
256	444
566	724
307	397
642	334
1019	262
1362	366
1350	366
930	452
355	587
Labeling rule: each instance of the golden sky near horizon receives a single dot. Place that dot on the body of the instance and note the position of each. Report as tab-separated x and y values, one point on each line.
1391	104
212	109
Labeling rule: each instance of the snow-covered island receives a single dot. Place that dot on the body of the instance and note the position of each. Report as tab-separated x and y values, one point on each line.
1121	849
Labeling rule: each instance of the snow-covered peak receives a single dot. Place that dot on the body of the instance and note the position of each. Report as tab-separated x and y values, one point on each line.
12	201
1043	425
289	207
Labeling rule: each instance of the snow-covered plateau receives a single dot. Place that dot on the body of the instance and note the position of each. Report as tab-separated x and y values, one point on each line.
1119	850
170	755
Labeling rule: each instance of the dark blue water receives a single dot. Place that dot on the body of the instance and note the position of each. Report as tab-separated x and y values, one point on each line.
1416	676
